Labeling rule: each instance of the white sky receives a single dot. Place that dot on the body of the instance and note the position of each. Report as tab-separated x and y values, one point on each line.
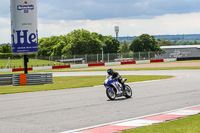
134	17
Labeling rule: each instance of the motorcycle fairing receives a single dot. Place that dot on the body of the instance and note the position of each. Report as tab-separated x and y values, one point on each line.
116	86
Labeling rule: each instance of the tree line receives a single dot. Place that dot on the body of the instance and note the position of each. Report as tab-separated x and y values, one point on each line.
5	48
78	42
81	42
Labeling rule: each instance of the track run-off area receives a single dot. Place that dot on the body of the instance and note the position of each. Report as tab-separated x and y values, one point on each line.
71	109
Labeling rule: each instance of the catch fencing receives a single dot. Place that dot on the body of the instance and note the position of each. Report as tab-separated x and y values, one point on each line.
38	61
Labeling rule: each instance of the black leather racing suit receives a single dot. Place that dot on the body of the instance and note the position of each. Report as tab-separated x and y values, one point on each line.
119	78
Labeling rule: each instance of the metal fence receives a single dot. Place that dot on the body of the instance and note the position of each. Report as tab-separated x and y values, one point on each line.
38	61
34	79
6	79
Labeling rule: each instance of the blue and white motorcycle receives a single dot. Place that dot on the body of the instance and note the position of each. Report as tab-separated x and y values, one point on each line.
114	88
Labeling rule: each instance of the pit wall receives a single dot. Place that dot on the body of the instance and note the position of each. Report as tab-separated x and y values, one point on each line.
90	65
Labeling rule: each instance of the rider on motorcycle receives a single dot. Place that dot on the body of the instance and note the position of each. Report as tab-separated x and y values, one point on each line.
116	76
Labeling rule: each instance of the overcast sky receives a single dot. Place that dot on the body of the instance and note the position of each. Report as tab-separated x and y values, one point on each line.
134	17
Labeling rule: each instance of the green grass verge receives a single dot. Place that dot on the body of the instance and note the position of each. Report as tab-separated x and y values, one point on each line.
185	125
19	63
73	82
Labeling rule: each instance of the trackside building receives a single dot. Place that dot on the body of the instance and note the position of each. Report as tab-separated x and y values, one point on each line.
180	51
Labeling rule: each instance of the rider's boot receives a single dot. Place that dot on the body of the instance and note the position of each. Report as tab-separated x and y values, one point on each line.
123	86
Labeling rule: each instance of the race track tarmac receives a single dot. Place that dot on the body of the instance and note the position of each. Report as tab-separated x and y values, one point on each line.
63	110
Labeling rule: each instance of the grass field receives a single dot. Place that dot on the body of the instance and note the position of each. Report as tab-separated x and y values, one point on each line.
185	125
19	63
72	82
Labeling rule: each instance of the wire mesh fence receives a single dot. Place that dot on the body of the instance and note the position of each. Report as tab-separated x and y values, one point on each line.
38	61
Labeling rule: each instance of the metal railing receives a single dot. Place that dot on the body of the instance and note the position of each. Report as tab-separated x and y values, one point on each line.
37	61
34	79
6	79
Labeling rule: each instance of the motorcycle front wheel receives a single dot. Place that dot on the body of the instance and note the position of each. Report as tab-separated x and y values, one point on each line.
111	95
128	91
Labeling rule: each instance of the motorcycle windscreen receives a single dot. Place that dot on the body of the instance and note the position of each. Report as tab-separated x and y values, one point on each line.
124	80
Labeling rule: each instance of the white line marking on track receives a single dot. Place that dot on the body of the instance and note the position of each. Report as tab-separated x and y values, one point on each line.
185	112
138	123
131	119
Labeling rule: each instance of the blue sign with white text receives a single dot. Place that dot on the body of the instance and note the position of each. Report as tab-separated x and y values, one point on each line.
24	42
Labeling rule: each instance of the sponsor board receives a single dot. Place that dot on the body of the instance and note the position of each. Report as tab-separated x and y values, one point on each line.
24	33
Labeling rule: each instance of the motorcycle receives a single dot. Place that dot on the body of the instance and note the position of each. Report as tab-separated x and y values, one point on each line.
113	88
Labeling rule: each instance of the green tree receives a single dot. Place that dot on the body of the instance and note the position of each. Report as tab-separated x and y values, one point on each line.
58	47
77	42
82	42
145	43
6	48
124	48
182	42
194	42
163	42
0	49
46	45
111	44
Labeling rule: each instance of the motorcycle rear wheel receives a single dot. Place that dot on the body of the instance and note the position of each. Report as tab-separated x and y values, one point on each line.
110	95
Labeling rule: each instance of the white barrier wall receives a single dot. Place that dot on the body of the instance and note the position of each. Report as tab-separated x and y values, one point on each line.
80	65
112	63
42	68
170	60
143	61
5	70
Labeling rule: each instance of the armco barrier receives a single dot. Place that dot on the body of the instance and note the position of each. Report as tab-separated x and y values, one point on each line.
32	79
90	65
6	79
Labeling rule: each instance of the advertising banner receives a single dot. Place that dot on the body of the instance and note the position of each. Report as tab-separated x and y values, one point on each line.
24	33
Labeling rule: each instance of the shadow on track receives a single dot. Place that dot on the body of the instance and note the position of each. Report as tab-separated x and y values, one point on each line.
119	99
